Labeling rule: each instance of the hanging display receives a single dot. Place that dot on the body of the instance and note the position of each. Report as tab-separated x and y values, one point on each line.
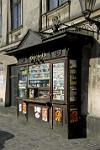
58	114
39	81
24	107
45	114
37	112
20	107
73	116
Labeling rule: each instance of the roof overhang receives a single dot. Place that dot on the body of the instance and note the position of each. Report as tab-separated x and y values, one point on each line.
55	41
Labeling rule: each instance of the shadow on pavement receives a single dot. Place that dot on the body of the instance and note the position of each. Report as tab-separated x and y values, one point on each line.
4	136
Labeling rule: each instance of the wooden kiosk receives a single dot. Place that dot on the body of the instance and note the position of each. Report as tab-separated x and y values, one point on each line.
49	79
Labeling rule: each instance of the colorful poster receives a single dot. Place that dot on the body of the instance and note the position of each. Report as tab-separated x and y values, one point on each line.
58	114
24	108
73	116
44	114
37	112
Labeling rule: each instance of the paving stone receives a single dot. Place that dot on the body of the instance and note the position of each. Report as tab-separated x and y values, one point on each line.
17	134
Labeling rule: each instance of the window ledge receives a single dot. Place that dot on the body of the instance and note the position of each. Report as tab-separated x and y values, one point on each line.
15	30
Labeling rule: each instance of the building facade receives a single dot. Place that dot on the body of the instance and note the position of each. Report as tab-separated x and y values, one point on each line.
49	59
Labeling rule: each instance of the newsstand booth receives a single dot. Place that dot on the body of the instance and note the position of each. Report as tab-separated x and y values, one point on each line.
49	80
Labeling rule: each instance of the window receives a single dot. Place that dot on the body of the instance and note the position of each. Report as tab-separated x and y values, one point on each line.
15	14
22	81
39	81
58	81
42	82
55	3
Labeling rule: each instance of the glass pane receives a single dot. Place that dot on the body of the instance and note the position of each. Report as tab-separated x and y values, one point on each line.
16	14
73	80
58	81
13	2
44	94
14	17
22	82
53	4
33	93
62	1
22	93
19	14
39	75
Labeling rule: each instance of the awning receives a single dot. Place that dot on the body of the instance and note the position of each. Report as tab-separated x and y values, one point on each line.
55	41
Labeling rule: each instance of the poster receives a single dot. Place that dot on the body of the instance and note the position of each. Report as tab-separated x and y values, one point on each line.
44	114
20	107
73	116
37	112
58	114
24	108
58	81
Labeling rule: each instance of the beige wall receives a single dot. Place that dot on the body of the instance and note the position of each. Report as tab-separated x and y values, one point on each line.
30	20
94	87
4	23
6	60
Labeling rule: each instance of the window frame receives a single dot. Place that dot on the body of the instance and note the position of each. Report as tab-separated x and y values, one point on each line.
58	4
49	89
16	19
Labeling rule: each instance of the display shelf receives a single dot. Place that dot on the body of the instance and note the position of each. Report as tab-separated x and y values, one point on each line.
39	76
36	93
40	88
41	79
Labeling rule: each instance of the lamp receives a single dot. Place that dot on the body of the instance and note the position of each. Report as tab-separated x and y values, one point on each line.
87	6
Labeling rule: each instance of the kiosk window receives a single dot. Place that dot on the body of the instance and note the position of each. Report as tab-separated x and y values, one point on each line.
58	81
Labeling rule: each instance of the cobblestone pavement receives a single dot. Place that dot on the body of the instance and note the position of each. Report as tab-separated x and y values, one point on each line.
16	134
